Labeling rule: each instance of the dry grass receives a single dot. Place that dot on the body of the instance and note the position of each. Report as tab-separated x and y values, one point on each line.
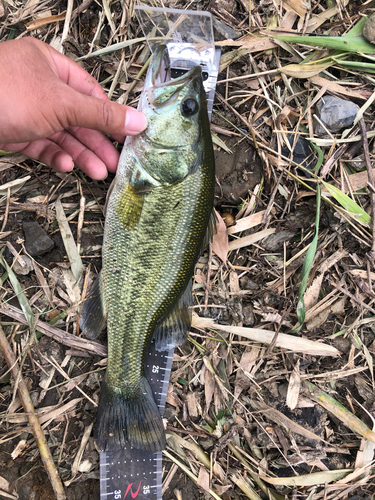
260	406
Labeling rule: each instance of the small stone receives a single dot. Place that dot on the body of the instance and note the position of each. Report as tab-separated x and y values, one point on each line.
18	269
335	113
248	316
37	241
276	241
342	344
302	152
369	29
357	163
223	32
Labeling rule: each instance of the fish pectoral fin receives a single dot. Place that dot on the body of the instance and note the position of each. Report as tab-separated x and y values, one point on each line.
173	329
92	318
129	207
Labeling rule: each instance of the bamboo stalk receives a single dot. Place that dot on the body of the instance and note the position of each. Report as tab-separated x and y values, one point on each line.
27	404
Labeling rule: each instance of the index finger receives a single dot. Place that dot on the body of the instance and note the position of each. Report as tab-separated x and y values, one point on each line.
74	76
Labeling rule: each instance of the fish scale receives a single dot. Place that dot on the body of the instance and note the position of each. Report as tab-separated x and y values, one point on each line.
158	267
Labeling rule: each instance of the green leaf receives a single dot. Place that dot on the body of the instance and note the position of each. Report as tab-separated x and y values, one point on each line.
182	381
357	66
347	417
216	140
112	48
342	43
307	263
22	299
350	205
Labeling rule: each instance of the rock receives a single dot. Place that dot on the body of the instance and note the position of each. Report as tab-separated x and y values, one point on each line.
335	113
37	241
302	152
276	241
223	32
342	344
369	29
18	269
357	163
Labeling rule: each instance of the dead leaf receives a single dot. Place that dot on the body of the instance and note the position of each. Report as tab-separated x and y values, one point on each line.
192	404
294	388
247	222
39	23
340	89
251	43
304	70
249	240
245	370
220	238
284	340
299	6
209	386
282	420
204	479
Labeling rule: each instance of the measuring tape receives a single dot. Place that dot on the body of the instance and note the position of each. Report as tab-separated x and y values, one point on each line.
131	473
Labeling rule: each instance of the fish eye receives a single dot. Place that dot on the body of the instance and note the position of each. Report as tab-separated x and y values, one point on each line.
189	107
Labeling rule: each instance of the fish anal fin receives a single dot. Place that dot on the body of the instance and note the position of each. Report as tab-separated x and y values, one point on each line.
173	329
129	207
92	318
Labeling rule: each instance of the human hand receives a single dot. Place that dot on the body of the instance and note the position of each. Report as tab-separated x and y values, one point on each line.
52	110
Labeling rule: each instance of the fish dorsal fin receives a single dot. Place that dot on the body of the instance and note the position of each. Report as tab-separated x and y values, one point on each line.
173	330
92	318
129	207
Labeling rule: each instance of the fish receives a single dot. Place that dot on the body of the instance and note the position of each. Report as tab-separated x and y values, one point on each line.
159	215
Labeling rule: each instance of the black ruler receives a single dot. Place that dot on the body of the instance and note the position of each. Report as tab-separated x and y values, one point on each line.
131	473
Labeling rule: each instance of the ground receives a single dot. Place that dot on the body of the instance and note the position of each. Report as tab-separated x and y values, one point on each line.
259	405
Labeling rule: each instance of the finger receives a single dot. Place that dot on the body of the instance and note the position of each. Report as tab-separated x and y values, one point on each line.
88	161
100	114
69	71
44	151
97	143
49	153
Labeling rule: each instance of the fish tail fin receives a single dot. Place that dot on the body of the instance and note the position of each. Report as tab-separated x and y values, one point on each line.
124	419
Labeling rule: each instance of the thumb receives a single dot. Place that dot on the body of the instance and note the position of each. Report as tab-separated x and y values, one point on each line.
103	115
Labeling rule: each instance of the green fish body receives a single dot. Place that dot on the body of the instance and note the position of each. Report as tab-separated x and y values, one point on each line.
157	217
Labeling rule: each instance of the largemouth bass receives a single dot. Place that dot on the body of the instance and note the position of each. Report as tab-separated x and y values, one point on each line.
157	216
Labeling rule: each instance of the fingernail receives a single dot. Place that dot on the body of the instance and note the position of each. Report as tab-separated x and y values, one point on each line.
135	121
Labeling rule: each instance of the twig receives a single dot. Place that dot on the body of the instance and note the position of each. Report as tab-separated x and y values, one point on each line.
84	5
208	276
5	220
40	438
55	333
353	297
68	18
371	254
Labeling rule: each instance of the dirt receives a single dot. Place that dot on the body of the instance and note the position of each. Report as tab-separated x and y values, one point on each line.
237	173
